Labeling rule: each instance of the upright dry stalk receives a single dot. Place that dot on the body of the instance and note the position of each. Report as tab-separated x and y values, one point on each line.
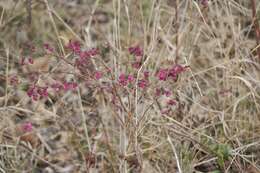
29	11
7	76
177	31
55	27
256	26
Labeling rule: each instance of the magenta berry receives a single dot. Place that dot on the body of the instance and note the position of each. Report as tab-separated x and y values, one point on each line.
98	75
171	102
30	60
74	46
162	74
135	50
142	83
27	127
48	48
69	86
130	78
122	79
57	87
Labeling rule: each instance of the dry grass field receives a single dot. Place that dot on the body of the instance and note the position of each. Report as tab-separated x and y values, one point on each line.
138	86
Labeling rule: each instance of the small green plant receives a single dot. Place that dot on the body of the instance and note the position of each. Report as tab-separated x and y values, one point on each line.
223	153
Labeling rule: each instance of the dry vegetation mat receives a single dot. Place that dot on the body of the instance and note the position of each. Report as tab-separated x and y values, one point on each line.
139	86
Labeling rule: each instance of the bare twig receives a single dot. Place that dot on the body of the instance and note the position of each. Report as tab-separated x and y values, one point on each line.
29	11
177	30
55	27
83	116
7	77
256	26
175	154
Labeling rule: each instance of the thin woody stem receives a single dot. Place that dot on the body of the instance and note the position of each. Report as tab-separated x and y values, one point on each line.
29	11
177	31
256	26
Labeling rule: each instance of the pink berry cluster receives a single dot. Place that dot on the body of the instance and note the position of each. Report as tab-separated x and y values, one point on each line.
37	92
137	52
29	50
27	127
162	91
129	80
124	79
158	84
170	73
13	80
26	61
75	47
83	58
48	48
159	92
